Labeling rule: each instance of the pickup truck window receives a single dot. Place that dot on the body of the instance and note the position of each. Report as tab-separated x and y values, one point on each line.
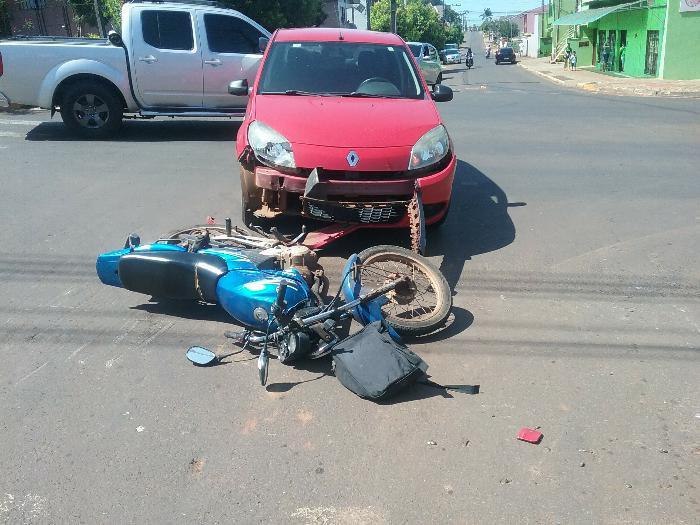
167	29
229	34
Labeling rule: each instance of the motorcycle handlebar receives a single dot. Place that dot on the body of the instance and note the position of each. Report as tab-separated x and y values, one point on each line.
281	289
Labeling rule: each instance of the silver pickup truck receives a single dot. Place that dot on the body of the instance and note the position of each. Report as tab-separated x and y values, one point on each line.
172	59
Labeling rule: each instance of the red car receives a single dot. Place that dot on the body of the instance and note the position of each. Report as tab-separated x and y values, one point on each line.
342	127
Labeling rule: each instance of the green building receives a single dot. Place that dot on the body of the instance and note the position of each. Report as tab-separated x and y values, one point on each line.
655	38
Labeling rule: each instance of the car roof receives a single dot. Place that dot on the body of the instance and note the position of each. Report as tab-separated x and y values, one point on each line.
327	34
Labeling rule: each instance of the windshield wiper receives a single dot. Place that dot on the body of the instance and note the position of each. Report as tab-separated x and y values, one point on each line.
360	94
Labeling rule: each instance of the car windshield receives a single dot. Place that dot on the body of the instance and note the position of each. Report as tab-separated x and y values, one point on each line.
339	69
507	50
415	49
452	52
450	46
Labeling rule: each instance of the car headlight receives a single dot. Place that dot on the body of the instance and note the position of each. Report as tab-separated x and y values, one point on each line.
270	146
430	148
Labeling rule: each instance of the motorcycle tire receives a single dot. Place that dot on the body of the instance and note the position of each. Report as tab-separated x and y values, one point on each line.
425	324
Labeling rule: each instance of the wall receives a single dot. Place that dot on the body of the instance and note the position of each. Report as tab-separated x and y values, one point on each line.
637	22
682	46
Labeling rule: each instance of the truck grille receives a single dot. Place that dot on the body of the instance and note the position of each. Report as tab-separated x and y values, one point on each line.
356	212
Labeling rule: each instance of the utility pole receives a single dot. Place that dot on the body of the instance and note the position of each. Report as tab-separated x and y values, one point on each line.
99	19
393	17
369	9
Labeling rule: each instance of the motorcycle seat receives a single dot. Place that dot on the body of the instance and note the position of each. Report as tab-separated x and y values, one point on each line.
172	275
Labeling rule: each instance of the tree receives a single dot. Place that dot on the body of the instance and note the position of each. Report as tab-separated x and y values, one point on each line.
110	12
4	19
416	21
487	15
273	14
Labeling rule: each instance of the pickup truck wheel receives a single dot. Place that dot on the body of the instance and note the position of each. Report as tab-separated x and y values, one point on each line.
91	110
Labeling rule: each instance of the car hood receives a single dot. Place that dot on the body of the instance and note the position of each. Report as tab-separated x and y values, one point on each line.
347	122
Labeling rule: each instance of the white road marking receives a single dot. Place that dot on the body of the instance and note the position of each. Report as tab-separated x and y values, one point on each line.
20	122
10	134
30	374
81	347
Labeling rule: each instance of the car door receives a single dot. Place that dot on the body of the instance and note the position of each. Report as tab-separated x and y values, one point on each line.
231	51
166	61
426	65
434	63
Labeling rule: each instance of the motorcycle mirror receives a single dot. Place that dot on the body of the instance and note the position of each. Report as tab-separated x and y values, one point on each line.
201	356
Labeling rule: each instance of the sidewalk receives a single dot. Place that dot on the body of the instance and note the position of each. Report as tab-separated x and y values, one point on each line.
591	80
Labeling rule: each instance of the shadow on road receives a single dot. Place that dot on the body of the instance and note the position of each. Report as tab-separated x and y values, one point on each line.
146	131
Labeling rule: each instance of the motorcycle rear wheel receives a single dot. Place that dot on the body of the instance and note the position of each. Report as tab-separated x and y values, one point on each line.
421	307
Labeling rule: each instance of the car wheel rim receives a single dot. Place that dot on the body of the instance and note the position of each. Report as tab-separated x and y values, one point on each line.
90	111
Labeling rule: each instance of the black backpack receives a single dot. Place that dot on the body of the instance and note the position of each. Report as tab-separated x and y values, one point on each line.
374	366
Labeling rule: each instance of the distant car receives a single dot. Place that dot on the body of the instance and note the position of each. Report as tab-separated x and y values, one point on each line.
451	46
441	53
427	58
452	56
505	54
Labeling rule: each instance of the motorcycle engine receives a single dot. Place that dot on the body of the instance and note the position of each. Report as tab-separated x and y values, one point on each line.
304	260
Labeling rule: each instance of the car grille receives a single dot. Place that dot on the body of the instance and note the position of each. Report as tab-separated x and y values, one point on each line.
356	212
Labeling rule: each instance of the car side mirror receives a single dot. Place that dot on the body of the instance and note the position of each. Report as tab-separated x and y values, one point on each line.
238	88
262	43
115	39
442	93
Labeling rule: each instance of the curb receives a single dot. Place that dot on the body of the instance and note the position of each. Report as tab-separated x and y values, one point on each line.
544	75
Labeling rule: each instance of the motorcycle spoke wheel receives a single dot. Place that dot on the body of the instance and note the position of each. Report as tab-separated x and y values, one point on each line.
416	308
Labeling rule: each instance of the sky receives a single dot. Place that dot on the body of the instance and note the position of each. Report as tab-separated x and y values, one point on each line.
498	7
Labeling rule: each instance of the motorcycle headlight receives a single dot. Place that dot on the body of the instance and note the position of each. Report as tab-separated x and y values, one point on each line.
430	148
269	145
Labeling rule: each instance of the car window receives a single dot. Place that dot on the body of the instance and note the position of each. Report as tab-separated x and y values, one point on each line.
426	51
167	29
230	34
415	49
433	53
339	68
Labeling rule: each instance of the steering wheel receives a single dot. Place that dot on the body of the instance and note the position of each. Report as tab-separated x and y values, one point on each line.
380	86
376	79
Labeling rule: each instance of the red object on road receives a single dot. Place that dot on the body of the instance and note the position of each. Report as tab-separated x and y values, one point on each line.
211	220
530	435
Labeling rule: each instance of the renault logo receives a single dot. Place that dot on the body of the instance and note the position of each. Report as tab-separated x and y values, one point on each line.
353	158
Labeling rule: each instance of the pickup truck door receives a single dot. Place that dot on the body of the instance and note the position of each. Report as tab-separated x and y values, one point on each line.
166	60
230	51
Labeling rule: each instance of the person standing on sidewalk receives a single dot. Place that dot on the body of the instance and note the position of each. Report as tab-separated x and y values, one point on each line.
623	49
604	58
567	56
572	60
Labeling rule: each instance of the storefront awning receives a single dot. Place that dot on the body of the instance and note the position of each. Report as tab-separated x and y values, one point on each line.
583	18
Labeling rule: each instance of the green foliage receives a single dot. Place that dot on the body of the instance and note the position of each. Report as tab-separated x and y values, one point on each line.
501	26
110	12
416	21
487	15
4	19
274	14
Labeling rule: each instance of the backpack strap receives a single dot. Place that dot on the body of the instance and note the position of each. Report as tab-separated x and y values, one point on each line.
463	389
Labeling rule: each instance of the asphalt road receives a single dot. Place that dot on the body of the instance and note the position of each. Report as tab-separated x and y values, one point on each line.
572	247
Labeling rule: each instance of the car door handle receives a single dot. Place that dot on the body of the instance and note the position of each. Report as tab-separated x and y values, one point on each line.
213	62
149	59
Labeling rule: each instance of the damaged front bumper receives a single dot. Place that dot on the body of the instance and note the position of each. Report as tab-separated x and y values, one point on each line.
349	197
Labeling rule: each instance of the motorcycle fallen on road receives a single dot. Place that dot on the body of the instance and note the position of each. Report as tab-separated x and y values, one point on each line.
275	287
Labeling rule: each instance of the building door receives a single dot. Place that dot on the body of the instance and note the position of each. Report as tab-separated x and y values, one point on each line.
601	44
652	53
612	36
623	42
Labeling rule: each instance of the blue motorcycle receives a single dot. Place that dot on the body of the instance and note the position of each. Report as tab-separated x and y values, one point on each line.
275	287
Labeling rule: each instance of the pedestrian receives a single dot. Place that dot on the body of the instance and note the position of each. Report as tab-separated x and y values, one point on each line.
572	60
623	49
605	58
567	56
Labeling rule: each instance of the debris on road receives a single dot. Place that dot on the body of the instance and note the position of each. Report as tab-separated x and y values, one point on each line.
530	435
432	443
140	429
